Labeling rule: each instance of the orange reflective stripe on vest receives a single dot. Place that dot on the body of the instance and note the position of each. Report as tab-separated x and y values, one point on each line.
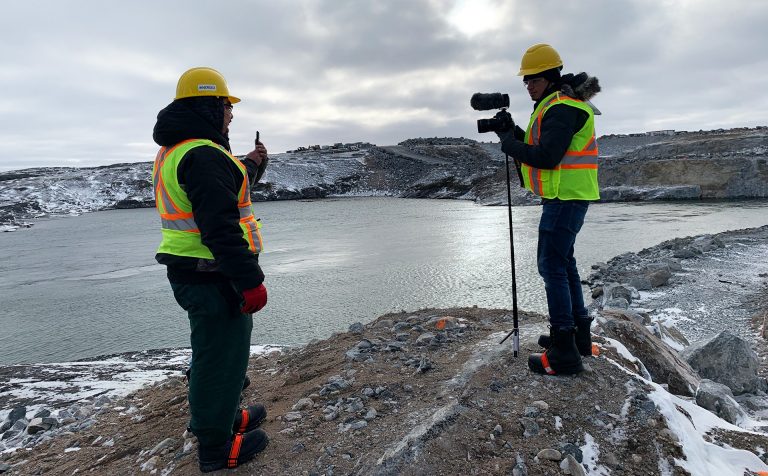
575	176
181	234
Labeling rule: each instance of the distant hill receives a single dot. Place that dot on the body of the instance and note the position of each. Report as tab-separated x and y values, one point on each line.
721	164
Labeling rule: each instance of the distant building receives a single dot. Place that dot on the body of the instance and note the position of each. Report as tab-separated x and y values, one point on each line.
665	132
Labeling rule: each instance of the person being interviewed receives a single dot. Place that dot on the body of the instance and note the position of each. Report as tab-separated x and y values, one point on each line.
210	246
558	162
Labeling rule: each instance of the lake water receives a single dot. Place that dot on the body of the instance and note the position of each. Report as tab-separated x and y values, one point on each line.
78	287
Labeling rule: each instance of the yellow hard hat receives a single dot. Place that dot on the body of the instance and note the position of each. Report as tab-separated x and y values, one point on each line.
203	82
539	58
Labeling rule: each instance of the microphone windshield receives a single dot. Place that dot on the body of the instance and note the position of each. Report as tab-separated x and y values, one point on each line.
486	101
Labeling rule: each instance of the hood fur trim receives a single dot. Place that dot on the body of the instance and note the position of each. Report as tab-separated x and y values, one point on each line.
581	86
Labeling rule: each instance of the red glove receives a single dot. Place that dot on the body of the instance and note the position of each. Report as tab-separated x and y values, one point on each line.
254	299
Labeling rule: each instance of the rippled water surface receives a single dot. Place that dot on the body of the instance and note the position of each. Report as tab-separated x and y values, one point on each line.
78	287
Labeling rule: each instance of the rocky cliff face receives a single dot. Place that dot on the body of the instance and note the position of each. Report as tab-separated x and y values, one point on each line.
730	164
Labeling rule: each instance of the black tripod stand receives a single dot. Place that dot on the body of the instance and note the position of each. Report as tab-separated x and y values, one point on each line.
515	329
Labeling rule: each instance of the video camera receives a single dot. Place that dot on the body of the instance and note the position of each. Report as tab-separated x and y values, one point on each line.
502	121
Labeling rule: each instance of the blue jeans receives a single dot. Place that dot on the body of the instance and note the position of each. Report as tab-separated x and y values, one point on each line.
560	222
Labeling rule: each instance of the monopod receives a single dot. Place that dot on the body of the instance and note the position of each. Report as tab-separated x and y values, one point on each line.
515	328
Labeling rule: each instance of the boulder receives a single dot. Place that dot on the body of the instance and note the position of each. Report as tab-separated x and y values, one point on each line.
725	358
662	363
718	399
658	277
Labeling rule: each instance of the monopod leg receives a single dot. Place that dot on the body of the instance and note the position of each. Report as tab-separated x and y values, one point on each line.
516	328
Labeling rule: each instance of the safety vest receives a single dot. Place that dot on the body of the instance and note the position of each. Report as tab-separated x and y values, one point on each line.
181	235
575	177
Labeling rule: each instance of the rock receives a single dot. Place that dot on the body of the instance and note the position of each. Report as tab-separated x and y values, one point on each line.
357	328
355	405
4	467
670	334
616	303
727	359
17	413
662	363
355	425
354	355
706	243
364	344
42	413
424	365
425	338
167	443
402	336
400	326
641	283
616	291
298	448
368	392
36	425
394	346
519	469
150	464
685	253
572	450
541	405
292	416
384	323
497	430
569	465
303	404
549	454
659	277
371	414
718	399
531	411
530	427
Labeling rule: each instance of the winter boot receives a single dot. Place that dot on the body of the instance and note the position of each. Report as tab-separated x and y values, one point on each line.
248	419
583	337
561	358
241	449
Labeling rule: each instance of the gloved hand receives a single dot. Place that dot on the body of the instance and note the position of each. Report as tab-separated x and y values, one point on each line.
507	124
254	299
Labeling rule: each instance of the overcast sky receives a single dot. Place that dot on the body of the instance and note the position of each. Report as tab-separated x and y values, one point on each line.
83	80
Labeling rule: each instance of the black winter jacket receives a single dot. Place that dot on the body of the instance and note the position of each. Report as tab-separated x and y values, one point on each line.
558	127
212	182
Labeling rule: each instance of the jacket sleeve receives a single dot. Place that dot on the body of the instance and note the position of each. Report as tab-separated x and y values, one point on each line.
558	127
253	170
212	184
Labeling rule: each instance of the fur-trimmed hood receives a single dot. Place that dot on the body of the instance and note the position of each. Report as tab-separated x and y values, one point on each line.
579	86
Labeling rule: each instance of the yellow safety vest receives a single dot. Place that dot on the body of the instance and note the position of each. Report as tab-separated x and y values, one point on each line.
181	236
575	177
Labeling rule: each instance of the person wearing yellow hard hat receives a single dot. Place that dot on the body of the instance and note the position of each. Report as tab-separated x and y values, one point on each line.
557	155
210	245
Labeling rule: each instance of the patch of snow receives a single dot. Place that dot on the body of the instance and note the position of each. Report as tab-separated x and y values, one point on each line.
558	423
591	452
625	353
71	449
702	457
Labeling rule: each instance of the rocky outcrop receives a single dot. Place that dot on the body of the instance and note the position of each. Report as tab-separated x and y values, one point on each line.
718	399
727	359
663	363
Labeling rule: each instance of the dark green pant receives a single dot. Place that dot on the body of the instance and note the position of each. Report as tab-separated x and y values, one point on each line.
221	340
